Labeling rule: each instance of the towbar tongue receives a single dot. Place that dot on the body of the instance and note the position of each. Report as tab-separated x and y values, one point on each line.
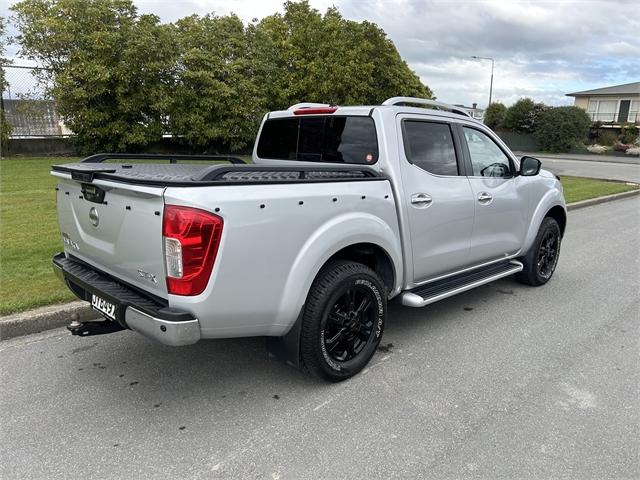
86	329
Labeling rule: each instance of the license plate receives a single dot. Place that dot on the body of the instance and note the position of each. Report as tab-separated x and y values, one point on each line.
108	309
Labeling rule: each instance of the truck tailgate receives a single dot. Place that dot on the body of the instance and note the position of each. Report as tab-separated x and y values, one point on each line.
120	234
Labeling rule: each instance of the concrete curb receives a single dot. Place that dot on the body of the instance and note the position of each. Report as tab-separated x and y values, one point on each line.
55	316
45	318
605	199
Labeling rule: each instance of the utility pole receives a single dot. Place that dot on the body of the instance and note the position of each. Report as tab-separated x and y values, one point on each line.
490	84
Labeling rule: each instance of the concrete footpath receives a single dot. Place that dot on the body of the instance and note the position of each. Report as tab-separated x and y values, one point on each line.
55	316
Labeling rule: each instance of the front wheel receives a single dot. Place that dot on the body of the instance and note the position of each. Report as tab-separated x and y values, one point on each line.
541	260
343	320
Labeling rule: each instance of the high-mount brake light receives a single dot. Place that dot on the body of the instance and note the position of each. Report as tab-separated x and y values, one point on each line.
191	239
314	110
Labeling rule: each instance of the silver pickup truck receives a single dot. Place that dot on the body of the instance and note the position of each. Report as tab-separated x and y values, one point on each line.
342	210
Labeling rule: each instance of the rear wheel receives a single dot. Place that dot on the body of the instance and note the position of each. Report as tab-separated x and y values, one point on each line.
343	320
541	260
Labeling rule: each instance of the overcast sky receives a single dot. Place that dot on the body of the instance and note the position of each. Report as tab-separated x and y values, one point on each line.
542	49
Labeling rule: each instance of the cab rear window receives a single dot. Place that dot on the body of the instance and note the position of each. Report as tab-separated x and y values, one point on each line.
331	139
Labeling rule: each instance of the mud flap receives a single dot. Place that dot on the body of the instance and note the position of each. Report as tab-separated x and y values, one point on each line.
287	348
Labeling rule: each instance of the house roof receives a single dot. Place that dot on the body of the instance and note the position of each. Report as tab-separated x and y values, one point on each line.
32	117
626	89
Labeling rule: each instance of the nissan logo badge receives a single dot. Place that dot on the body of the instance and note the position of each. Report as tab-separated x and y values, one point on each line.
93	216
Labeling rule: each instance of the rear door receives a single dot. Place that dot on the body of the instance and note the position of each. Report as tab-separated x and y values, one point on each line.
501	208
120	233
438	196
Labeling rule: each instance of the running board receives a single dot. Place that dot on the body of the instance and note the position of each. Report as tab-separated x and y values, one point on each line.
447	287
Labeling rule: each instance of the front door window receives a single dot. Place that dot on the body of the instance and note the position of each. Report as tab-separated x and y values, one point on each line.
487	159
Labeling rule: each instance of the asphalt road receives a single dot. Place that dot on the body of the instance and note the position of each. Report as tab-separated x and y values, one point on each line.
581	168
506	381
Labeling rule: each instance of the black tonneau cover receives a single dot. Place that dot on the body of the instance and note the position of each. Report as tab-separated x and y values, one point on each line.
190	175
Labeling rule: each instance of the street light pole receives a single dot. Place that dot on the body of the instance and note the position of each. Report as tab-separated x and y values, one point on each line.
490	84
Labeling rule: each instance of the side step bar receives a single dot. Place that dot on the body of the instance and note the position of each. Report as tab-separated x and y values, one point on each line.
447	287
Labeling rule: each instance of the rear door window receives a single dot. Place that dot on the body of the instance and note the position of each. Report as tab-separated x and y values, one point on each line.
429	145
331	139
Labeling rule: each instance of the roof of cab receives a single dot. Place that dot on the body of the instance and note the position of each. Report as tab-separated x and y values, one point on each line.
399	104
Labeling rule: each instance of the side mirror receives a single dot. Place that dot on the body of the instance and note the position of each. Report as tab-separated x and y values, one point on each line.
529	166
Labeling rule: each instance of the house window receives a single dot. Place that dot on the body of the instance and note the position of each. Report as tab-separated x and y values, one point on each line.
634	111
592	109
607	110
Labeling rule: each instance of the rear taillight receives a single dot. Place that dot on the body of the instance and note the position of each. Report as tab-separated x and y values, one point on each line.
191	238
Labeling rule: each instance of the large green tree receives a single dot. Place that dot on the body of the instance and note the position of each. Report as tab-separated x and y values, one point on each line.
216	101
326	58
121	79
110	69
523	115
494	115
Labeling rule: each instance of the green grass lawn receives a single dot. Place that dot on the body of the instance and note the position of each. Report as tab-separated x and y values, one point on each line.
577	189
29	234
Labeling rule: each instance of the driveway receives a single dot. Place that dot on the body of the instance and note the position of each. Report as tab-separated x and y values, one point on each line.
505	381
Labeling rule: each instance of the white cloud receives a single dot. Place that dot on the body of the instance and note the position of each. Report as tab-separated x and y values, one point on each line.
543	49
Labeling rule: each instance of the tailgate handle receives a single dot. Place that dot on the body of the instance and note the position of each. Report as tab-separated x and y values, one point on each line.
87	176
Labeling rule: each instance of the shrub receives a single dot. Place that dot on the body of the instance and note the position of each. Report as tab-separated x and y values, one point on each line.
495	115
559	129
621	147
606	138
633	151
628	133
523	115
597	148
594	132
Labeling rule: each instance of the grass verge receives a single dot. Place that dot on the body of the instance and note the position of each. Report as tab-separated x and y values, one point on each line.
577	189
29	233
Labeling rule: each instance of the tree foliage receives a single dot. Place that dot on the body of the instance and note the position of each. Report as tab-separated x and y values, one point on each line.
522	116
494	115
121	79
215	100
558	129
332	60
110	68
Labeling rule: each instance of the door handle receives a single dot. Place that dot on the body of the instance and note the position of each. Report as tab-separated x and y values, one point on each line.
421	199
484	198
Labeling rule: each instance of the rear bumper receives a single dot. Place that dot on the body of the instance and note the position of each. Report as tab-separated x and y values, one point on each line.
146	315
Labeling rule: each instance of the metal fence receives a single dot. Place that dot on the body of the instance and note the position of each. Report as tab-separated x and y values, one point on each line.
28	109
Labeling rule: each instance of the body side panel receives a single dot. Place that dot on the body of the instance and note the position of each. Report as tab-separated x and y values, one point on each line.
268	256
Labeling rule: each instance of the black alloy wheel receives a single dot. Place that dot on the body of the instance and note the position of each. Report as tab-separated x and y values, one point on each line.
343	320
349	324
542	258
548	253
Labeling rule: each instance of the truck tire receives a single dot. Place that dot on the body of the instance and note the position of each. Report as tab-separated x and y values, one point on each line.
343	320
541	259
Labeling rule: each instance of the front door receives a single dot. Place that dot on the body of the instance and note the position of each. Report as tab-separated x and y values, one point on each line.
623	113
501	209
438	197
